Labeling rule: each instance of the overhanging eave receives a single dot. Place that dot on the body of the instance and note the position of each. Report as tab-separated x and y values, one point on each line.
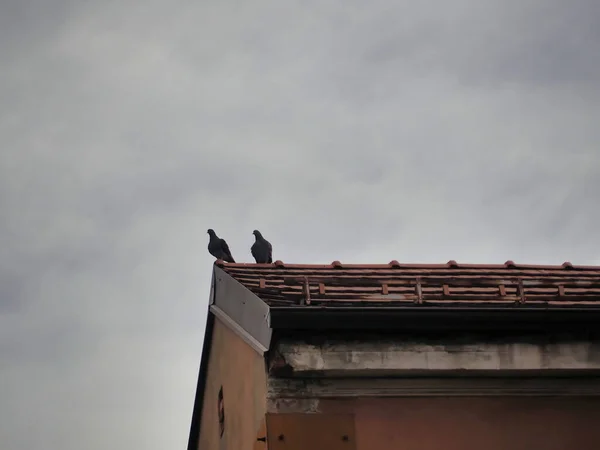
424	318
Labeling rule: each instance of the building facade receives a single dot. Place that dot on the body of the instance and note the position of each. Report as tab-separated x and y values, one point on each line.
398	356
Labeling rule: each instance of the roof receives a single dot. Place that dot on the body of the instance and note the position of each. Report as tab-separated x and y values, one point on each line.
395	284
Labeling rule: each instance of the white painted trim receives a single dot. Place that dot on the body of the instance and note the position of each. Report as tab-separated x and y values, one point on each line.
233	326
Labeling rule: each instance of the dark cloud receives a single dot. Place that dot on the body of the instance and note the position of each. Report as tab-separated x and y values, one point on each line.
14	287
531	43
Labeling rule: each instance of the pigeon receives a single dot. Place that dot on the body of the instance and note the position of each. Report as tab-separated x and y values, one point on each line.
261	249
218	247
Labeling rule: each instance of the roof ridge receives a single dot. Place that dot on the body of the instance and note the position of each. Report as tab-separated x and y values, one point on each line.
394	264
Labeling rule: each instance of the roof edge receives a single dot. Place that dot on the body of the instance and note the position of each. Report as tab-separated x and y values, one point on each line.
247	313
418	318
396	265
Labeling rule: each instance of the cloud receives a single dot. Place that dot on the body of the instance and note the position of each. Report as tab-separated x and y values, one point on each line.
341	130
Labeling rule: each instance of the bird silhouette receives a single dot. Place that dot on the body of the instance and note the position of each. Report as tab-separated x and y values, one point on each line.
218	247
262	250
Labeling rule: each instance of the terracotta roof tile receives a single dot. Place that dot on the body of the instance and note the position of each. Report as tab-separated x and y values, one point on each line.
338	284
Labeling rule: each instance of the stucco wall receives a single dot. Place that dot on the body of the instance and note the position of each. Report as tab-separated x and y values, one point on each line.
523	423
237	367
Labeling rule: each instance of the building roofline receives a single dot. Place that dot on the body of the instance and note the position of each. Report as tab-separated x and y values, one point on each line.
338	284
396	265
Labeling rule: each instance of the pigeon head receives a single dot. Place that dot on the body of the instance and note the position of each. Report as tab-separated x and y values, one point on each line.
257	234
211	232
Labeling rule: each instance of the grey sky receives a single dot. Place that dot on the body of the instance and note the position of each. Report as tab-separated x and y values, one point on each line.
358	131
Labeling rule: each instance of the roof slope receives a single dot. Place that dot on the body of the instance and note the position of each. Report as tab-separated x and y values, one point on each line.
396	284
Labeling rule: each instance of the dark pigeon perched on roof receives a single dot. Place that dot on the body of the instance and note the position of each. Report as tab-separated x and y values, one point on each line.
261	249
218	247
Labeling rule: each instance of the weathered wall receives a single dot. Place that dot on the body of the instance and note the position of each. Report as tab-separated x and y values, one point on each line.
237	367
505	392
406	356
478	423
515	423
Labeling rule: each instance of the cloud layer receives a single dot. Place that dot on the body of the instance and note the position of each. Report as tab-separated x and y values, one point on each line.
342	130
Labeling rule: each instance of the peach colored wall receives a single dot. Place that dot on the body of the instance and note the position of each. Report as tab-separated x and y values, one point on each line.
508	423
237	367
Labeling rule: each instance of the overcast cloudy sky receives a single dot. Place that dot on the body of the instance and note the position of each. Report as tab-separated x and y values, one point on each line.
342	129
